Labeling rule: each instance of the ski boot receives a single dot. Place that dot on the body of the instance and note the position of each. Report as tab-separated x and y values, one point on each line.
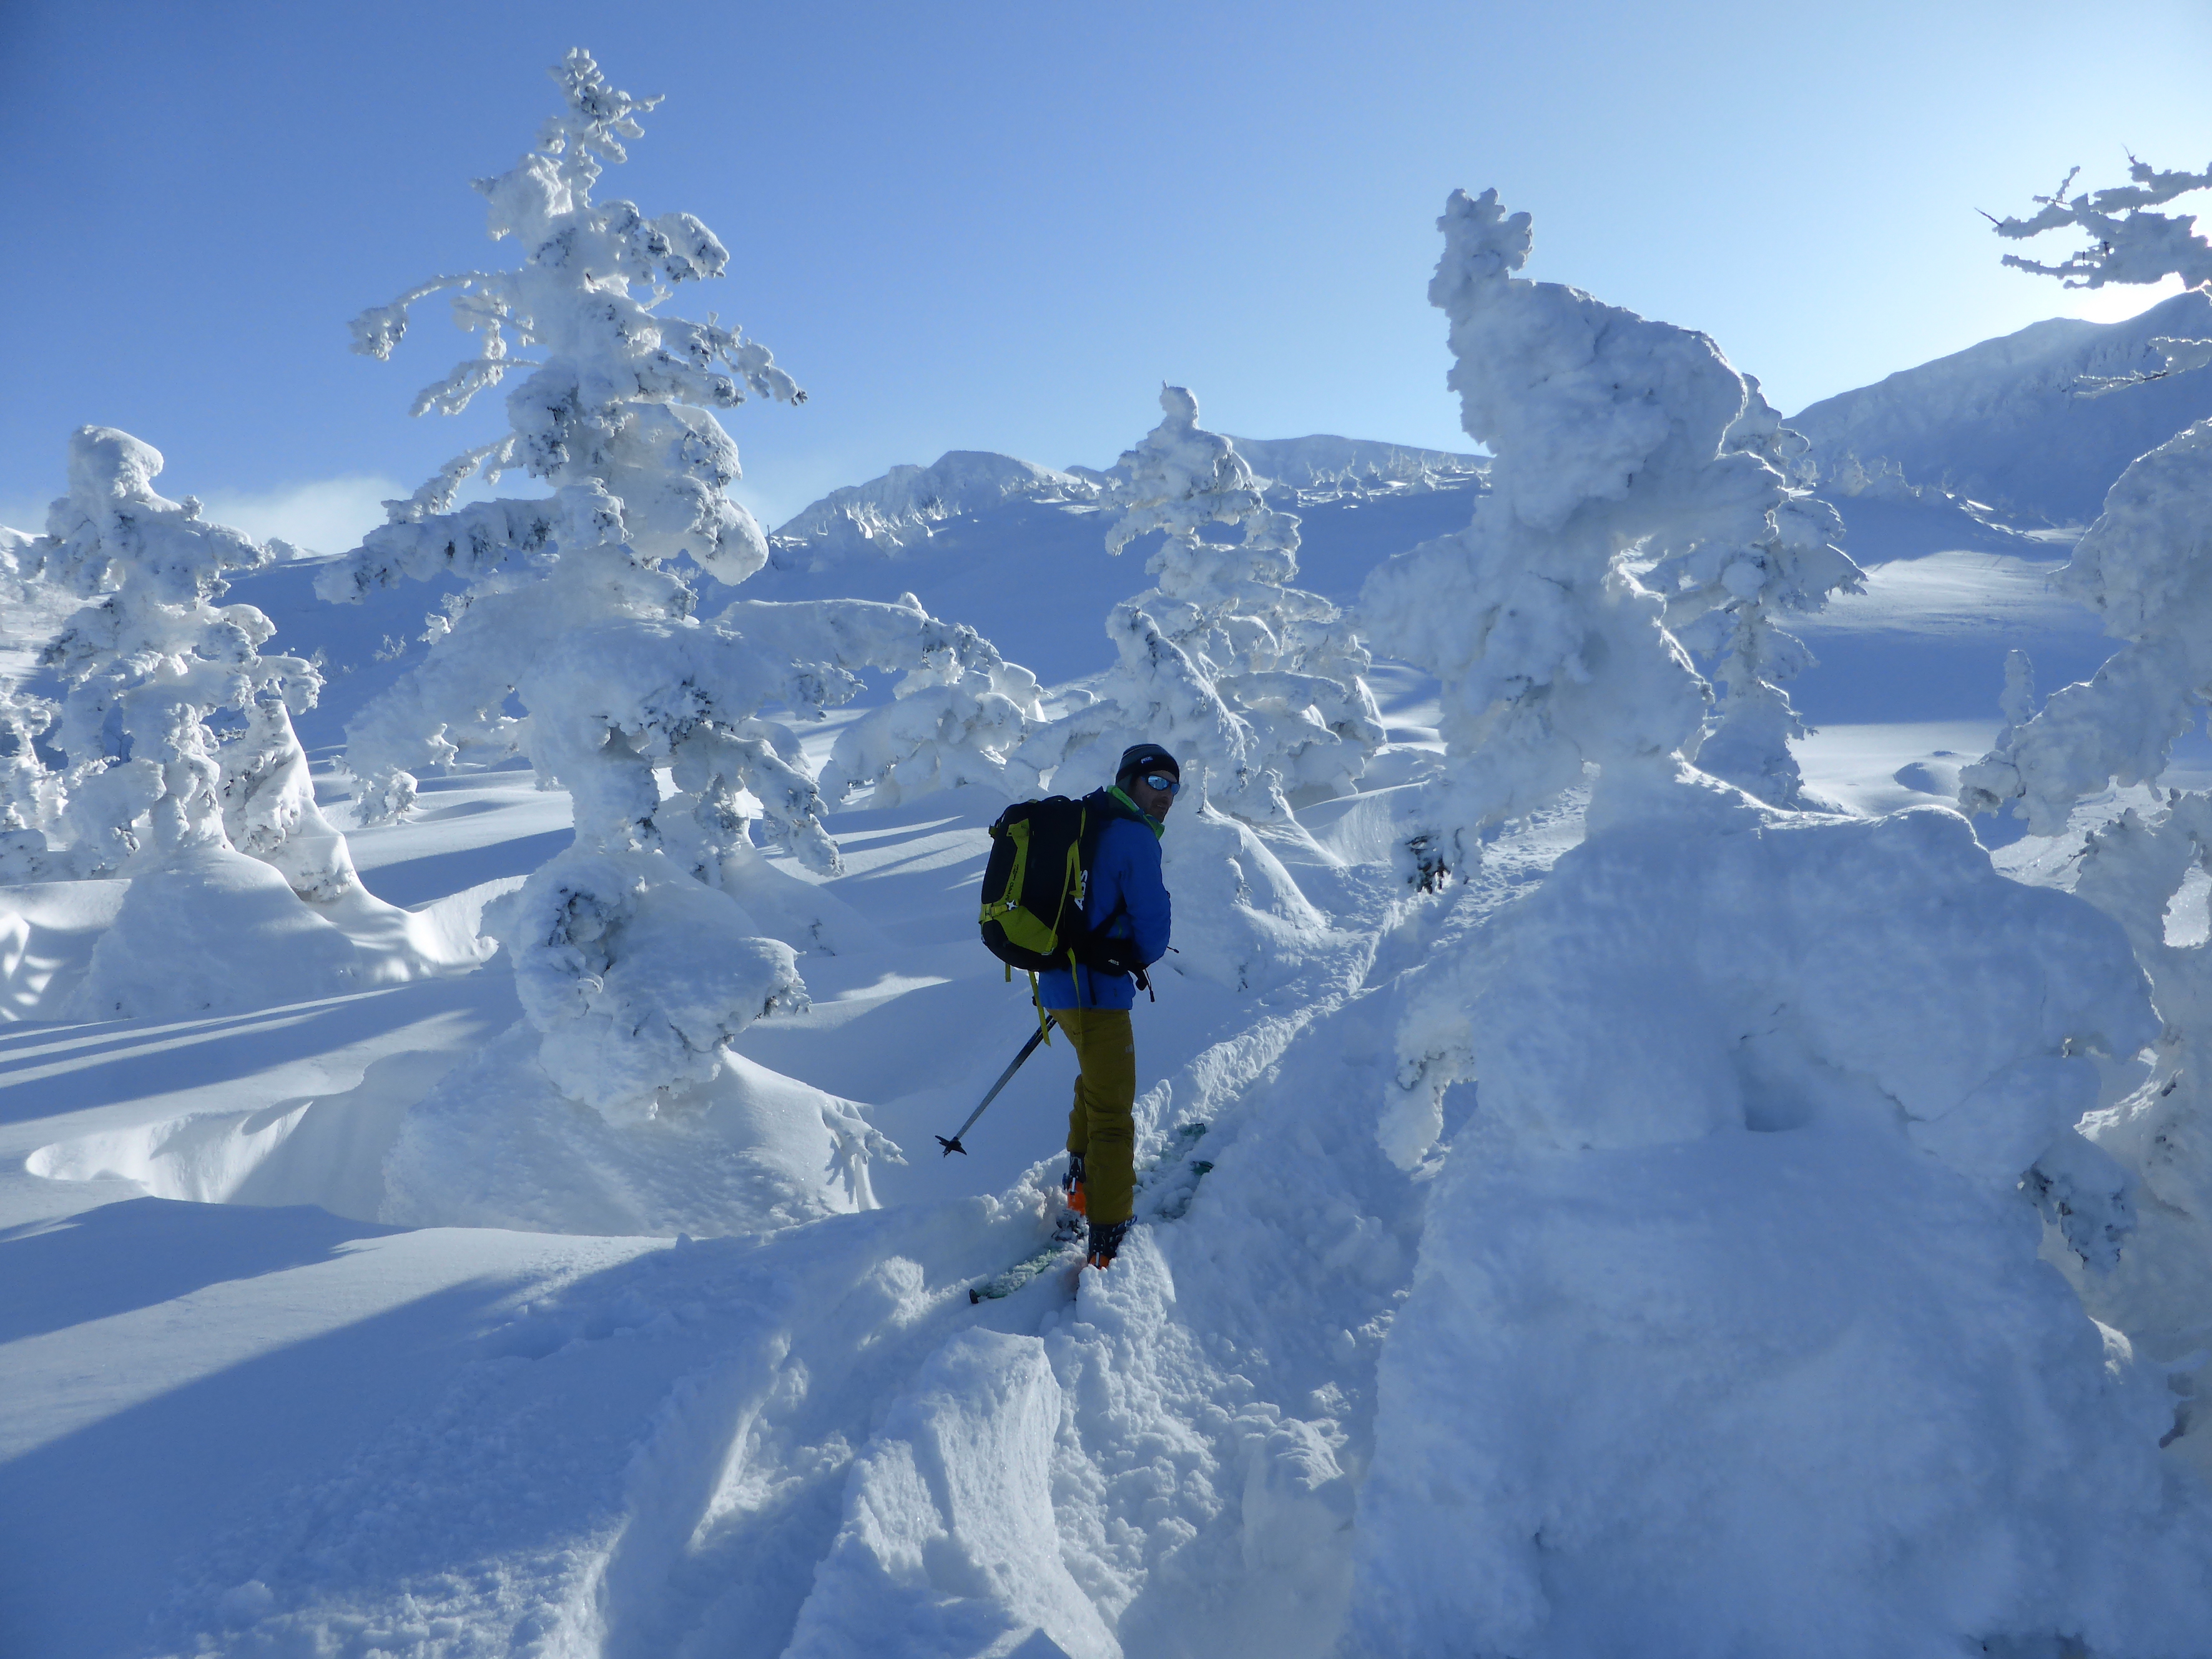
1106	1243
1071	1186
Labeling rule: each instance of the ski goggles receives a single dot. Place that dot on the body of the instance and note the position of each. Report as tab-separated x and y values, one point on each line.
1162	782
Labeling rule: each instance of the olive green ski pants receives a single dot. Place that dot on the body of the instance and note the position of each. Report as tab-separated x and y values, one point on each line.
1101	1129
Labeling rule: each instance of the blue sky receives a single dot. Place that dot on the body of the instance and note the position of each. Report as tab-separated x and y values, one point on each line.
999	226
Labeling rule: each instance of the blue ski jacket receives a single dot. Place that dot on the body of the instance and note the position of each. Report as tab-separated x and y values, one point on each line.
1125	875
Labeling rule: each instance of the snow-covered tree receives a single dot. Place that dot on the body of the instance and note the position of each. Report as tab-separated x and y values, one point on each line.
170	760
575	640
955	720
1625	449
1751	1081
2127	241
1256	684
30	789
151	667
1617	439
2145	567
1723	602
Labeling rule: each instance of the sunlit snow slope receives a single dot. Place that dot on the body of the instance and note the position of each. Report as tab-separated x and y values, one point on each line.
2006	422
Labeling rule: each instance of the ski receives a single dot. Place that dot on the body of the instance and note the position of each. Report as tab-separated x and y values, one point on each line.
1066	1247
1165	1188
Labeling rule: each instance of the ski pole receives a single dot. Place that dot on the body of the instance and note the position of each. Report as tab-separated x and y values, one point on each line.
1027	1049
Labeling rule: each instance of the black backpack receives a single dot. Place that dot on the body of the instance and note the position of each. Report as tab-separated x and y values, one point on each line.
1037	880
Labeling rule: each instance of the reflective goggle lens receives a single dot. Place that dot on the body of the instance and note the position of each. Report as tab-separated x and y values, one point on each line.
1161	781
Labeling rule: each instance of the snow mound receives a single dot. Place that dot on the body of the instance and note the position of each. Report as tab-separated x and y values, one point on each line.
1728	1332
1915	1440
209	930
948	1548
636	976
1240	919
499	1143
2005	423
1326	464
903	507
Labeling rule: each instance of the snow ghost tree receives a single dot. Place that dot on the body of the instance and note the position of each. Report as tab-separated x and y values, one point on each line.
1719	1021
956	718
1723	599
149	664
1625	449
1254	684
30	786
1618	441
2145	567
576	640
179	767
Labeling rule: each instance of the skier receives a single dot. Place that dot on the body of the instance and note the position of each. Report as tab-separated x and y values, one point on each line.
1127	904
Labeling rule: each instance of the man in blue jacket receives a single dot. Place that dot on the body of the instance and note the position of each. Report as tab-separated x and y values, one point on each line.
1127	904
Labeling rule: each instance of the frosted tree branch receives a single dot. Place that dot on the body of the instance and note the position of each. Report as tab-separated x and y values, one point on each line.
2127	242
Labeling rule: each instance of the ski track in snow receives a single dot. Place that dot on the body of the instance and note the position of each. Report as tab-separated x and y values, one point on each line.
240	1424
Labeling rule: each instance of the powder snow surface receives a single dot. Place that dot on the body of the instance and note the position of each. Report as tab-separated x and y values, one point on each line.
1711	1323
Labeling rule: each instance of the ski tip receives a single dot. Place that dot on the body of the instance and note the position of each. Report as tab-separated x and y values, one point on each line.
951	1146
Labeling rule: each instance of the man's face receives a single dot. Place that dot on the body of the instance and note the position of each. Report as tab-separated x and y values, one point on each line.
1152	803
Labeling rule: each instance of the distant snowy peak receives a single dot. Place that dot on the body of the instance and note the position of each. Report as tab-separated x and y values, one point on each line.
1329	465
902	508
2011	422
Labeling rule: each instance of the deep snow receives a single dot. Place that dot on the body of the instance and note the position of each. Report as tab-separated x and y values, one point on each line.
248	1411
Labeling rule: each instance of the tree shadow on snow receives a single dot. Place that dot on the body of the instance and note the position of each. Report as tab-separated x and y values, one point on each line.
120	1257
96	1524
140	1059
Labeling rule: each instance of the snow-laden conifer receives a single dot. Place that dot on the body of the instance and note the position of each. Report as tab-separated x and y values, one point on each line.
1254	683
958	718
151	666
1624	449
1612	440
575	639
1715	1014
2145	567
1725	600
2126	241
30	788
174	764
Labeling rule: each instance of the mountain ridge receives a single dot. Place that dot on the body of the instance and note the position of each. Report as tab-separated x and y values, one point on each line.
2004	422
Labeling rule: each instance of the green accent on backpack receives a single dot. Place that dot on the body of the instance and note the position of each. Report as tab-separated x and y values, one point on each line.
1038	875
1034	884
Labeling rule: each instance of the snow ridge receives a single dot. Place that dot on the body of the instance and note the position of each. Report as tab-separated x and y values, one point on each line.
900	509
903	508
1324	465
2006	422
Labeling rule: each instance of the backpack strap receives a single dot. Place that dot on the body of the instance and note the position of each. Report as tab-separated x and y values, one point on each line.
1044	1020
